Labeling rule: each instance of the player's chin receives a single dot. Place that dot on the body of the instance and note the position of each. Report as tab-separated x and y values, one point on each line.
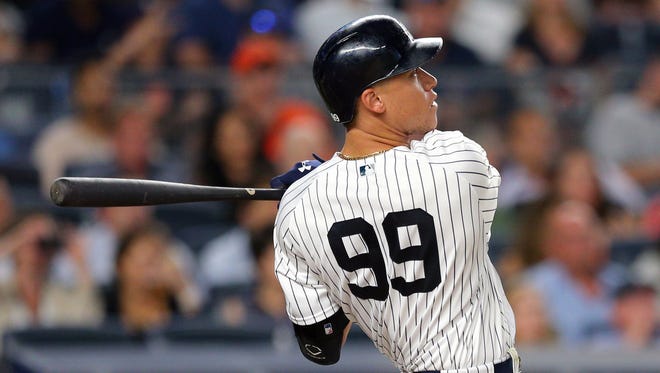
431	124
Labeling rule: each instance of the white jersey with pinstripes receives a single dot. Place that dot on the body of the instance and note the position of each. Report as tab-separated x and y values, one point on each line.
399	242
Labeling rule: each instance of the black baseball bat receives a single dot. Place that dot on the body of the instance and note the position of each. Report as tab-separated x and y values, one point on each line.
105	192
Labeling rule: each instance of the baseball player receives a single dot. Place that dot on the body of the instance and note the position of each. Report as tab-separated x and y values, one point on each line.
392	232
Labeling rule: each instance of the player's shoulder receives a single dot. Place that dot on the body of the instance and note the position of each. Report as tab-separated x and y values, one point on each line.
438	142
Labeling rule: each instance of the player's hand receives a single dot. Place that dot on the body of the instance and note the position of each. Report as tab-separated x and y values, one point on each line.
296	172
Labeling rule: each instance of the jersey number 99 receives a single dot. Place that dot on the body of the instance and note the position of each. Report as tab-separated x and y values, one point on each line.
427	251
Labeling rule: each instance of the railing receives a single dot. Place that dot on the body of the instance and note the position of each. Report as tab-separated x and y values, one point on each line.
217	350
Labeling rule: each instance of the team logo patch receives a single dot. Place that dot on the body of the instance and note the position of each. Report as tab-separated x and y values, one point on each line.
314	351
367	169
327	328
304	166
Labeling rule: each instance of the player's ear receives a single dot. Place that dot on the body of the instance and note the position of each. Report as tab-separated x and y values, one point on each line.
372	101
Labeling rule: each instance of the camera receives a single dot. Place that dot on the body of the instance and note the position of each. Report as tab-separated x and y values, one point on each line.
50	244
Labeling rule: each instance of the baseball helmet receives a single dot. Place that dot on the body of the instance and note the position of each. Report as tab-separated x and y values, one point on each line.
362	53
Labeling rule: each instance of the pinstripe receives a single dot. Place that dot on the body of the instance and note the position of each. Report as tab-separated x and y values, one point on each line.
397	326
453	234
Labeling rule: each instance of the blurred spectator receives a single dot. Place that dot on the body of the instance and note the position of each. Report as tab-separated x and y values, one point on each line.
226	260
64	31
264	303
102	235
635	323
576	279
257	67
625	128
315	20
230	155
143	47
255	78
575	176
299	129
86	134
11	33
151	287
137	150
190	108
579	176
552	37
533	327
488	27
625	31
491	138
532	140
434	18
30	296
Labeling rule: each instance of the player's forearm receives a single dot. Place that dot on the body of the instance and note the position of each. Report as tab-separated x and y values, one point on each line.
347	329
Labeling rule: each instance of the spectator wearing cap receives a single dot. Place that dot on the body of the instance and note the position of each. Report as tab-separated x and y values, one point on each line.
298	130
282	123
257	67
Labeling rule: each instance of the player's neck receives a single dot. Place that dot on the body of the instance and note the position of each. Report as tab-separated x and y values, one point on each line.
362	141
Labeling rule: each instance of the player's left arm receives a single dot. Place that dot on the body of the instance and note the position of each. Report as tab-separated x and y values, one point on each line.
319	322
321	342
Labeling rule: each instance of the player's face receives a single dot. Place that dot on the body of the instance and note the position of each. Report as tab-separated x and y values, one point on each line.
410	102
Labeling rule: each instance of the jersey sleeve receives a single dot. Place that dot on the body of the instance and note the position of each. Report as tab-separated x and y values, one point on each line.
487	183
308	300
468	159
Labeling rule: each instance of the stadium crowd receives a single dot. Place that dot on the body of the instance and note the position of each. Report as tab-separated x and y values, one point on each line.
564	95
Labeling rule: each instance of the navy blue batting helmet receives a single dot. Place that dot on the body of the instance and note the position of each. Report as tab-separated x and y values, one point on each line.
362	53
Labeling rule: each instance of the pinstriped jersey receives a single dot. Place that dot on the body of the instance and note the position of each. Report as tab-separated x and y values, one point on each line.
399	240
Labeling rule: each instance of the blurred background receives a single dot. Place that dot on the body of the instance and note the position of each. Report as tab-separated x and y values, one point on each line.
564	96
